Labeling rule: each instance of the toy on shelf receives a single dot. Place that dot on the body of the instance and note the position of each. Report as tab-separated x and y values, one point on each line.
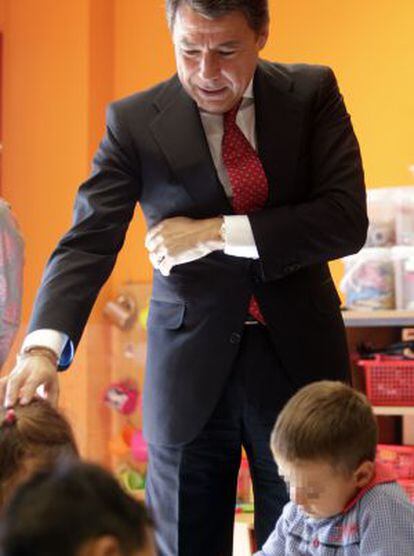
132	480
244	489
127	314
122	397
143	317
122	311
139	449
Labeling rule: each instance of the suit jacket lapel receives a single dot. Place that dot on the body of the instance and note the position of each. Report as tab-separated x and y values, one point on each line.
180	135
278	127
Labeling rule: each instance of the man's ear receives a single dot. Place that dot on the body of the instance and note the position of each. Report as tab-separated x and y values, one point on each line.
262	37
364	474
106	545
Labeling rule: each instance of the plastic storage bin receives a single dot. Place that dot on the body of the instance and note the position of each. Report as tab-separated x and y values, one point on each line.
399	459
389	380
368	281
404	215
381	212
403	258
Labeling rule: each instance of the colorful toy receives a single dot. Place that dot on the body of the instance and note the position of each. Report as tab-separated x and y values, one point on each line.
143	317
139	448
122	396
130	479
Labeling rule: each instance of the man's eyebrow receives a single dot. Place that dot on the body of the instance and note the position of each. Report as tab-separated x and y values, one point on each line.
227	44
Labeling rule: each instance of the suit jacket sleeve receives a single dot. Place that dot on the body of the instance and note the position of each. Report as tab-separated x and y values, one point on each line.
331	222
85	256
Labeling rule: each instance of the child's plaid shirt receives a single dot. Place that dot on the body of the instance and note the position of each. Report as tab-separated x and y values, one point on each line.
379	521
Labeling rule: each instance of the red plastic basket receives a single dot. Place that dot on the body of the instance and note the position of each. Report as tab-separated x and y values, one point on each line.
389	380
398	459
408	486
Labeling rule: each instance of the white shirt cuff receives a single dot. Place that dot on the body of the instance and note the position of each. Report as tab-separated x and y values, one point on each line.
239	240
47	337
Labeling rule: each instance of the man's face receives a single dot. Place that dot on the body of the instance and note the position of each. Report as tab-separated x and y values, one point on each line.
216	58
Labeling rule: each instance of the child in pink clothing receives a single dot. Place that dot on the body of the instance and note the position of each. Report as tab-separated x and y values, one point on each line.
11	276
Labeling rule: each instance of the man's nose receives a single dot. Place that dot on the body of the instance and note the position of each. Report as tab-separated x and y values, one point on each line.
210	66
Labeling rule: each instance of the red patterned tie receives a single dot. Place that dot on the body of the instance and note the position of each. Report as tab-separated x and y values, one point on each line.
247	177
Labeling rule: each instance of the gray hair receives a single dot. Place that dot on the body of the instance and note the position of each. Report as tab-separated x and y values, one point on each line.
256	11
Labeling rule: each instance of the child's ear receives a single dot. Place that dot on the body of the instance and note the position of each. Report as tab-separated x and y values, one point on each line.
364	474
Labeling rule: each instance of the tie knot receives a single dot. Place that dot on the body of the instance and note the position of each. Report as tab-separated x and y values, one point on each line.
229	117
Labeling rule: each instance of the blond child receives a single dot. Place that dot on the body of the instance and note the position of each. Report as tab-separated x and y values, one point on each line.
32	438
342	501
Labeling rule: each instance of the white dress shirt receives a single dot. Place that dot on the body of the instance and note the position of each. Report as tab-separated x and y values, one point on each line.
239	236
239	240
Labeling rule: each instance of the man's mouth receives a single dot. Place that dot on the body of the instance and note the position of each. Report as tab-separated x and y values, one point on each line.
212	92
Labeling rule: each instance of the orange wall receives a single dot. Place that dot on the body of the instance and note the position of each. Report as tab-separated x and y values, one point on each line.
57	78
45	124
371	47
143	56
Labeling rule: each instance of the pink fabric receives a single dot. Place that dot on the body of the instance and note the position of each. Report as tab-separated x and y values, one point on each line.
247	177
11	278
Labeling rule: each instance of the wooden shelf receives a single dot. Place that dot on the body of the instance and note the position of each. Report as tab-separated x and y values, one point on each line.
397	410
378	318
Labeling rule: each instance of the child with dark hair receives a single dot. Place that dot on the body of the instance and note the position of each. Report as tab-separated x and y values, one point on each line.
32	437
78	509
342	501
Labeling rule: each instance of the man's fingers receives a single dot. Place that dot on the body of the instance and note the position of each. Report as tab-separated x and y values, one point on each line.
28	391
52	392
14	383
27	377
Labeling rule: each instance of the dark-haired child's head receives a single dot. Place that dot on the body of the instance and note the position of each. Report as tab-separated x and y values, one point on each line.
77	509
324	443
32	437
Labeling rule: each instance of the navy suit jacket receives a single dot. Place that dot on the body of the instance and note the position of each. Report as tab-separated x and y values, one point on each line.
155	153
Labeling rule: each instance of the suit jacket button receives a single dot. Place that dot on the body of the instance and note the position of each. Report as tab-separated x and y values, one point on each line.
235	338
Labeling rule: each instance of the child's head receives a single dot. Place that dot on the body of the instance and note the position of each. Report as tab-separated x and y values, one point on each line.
32	437
78	509
324	443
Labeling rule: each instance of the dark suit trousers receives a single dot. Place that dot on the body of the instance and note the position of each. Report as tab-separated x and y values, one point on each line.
191	489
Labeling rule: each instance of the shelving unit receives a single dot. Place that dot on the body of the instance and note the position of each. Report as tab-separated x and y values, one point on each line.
397	410
359	319
382	328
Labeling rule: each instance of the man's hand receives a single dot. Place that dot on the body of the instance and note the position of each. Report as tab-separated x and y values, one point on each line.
181	240
28	375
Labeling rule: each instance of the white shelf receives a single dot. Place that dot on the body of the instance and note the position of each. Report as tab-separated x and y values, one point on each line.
397	410
378	318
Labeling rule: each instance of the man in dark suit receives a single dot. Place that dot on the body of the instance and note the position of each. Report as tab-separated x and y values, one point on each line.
250	179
